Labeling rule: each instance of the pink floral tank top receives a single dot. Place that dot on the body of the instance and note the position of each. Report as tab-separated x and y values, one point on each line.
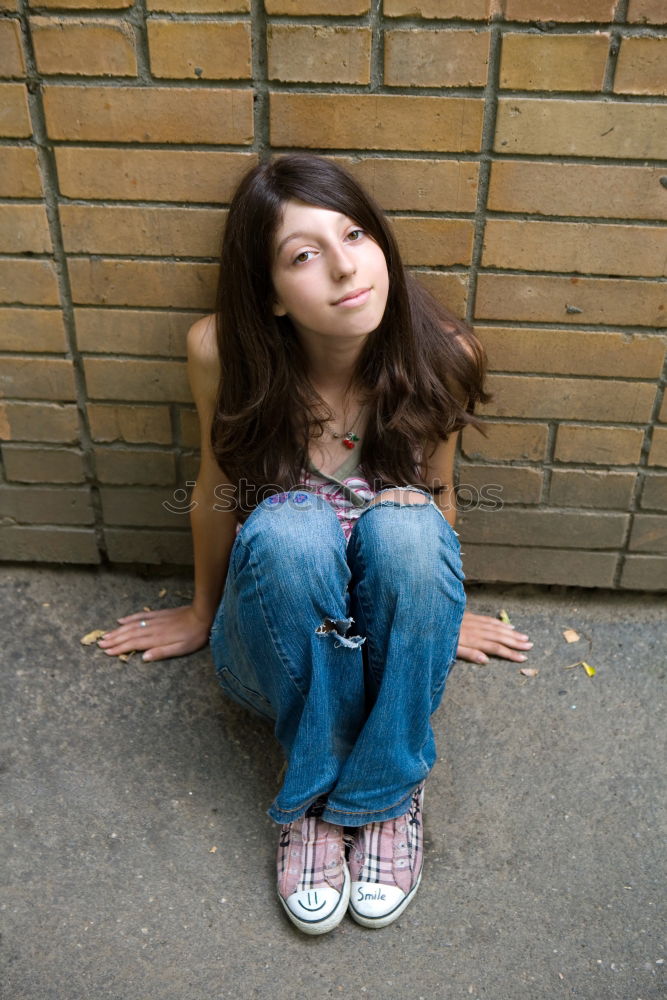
347	490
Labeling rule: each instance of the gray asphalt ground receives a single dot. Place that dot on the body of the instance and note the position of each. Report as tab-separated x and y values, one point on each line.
138	857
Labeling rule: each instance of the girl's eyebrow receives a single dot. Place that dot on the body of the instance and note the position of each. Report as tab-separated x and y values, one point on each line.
292	236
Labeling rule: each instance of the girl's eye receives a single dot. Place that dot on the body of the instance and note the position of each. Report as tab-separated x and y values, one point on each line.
355	235
302	257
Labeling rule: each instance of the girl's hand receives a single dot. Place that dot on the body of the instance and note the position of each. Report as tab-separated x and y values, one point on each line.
481	634
172	632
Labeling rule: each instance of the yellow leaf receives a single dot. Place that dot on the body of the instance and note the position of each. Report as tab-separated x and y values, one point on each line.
125	656
529	671
213	850
162	592
92	637
588	668
504	617
570	635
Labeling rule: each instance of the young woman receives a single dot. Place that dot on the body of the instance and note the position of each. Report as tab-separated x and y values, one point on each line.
330	390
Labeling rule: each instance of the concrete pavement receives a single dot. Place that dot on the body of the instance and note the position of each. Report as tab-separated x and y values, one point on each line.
138	858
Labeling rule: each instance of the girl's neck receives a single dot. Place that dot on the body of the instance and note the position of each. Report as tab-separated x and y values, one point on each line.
331	366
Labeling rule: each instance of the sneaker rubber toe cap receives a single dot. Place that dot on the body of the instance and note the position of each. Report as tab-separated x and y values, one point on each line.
373	900
312	905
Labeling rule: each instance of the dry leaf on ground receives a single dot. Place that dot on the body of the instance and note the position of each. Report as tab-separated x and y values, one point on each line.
92	637
162	592
570	635
529	671
504	617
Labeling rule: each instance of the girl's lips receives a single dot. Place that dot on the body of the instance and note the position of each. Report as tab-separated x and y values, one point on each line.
359	297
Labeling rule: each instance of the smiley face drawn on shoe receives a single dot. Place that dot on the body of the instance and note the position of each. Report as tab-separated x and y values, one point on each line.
313	903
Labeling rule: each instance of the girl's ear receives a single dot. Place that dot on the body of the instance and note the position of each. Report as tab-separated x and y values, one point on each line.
279	309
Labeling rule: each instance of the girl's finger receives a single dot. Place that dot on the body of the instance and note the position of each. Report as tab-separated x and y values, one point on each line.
163	652
471	654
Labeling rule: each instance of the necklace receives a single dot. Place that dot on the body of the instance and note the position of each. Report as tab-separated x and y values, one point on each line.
347	438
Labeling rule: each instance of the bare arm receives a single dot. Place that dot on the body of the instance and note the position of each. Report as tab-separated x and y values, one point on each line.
178	631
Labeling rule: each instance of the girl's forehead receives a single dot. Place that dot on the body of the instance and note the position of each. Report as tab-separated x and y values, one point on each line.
301	214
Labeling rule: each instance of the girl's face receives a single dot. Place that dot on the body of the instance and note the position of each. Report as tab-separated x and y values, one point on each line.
329	276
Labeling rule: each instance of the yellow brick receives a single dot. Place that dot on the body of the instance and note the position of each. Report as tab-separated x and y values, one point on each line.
24	464
26	377
150	174
662	416
24	229
658	452
301	7
599	445
545	299
557	528
14	115
319	54
9	5
144	381
141	114
577	189
200	6
499	483
190	430
531	564
130	424
572	352
39	422
449	289
414	58
649	533
39	330
84	48
654	492
559	10
644	573
570	399
125	545
144	467
31	282
82	4
385	122
583	247
434	242
473	10
117	229
97	281
206	50
125	331
19	173
417	185
48	544
581	128
642	66
586	488
506	442
553	62
647	12
11	53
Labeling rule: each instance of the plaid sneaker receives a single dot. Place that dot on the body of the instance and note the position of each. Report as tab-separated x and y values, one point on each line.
386	865
313	878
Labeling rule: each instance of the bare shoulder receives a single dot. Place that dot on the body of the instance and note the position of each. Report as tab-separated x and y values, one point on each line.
202	342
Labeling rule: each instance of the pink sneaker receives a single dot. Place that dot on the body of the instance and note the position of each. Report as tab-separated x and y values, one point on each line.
386	865
313	877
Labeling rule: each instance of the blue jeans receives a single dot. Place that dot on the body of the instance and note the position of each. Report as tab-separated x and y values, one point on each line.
351	711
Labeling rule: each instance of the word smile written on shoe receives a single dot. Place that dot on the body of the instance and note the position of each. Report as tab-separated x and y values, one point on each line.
361	895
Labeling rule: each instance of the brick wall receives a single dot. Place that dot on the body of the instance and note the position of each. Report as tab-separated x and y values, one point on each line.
520	148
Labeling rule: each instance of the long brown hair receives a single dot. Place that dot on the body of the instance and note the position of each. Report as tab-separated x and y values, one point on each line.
407	371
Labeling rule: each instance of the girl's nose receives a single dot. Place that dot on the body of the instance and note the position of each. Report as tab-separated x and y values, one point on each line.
342	263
